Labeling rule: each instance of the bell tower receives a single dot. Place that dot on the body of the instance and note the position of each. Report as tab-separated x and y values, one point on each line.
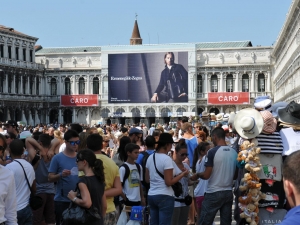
136	37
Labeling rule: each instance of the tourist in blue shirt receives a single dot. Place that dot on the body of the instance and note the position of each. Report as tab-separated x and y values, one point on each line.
291	183
63	170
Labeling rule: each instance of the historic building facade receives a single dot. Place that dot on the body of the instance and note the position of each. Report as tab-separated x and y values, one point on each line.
21	78
286	56
232	67
32	82
212	67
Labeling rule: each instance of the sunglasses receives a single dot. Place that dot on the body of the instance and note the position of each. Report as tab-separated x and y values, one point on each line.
73	143
7	136
106	141
1	148
184	154
196	127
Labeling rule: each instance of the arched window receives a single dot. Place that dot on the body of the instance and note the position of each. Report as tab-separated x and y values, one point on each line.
81	88
199	83
96	85
67	86
229	83
261	83
53	86
136	112
214	83
165	112
245	83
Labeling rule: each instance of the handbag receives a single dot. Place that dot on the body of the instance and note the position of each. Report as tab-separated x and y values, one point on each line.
177	187
75	214
35	202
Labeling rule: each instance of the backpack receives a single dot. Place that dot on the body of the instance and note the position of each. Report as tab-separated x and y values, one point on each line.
127	171
144	161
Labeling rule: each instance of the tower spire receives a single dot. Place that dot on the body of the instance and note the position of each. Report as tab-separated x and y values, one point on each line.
136	37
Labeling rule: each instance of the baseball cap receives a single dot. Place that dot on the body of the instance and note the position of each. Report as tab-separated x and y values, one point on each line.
135	131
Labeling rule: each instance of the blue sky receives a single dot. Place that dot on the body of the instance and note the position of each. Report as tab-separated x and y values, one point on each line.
59	23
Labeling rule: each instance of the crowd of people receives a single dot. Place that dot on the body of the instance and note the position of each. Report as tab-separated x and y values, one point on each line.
182	176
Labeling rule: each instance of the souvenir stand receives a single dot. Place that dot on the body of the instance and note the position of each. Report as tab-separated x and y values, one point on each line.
262	197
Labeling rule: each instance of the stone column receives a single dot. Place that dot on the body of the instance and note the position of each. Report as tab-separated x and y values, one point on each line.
59	116
27	54
34	86
20	51
5	48
47	118
224	86
221	109
74	115
266	82
256	83
252	78
88	116
63	86
23	116
74	91
21	84
204	84
28	85
14	85
6	83
220	82
208	83
269	82
88	89
237	78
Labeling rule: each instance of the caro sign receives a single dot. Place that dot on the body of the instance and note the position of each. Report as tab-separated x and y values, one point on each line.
228	98
79	100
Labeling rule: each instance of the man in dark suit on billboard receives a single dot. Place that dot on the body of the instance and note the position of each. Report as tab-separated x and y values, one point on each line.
173	84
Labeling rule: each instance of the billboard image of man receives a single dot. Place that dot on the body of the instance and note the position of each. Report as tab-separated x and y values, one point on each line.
139	78
173	84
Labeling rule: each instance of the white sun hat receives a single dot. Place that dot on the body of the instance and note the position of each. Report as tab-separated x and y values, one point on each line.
248	123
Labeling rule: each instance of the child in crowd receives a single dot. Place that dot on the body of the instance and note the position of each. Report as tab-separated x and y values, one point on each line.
131	175
198	167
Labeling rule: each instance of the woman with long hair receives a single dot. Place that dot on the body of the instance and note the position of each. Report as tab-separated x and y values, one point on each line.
91	186
198	167
121	155
181	210
161	175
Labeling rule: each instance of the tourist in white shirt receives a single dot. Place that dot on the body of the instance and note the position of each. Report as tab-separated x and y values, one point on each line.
24	213
8	202
161	194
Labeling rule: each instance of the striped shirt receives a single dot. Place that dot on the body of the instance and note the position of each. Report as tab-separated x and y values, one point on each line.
270	143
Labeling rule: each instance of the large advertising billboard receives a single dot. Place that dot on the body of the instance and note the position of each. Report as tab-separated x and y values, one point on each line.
148	77
228	98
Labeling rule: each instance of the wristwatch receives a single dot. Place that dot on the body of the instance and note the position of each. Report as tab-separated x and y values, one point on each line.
74	199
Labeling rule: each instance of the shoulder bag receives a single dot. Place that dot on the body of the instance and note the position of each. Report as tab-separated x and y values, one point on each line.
35	202
177	187
76	214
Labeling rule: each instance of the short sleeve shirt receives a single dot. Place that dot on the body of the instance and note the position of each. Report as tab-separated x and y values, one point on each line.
223	161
